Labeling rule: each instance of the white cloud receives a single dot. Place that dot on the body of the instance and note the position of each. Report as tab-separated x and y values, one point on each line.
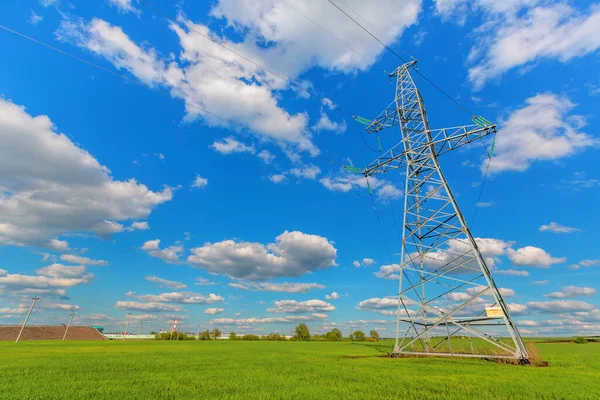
533	257
49	186
561	306
170	254
332	296
292	254
139	226
124	6
204	282
270	320
74	259
325	124
48	3
199	182
51	281
210	76
346	183
511	272
230	145
165	283
285	287
589	263
178	297
34	19
491	249
557	228
572	291
57	306
213	311
301	307
306	172
541	282
150	306
519	35
542	130
277	178
378	304
266	156
58	245
517	309
367	262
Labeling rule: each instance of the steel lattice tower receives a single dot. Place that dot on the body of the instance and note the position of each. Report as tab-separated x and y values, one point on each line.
445	287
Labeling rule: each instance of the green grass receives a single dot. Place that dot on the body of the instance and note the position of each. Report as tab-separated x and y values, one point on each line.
282	370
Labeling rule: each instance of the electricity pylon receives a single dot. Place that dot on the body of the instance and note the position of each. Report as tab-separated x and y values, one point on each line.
446	289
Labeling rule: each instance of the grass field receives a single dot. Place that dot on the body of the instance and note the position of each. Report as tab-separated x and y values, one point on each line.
281	370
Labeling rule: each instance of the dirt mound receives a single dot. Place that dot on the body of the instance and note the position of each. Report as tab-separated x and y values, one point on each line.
50	333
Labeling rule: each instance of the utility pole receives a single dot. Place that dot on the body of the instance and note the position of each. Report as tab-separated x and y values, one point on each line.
140	328
126	325
445	289
35	298
69	324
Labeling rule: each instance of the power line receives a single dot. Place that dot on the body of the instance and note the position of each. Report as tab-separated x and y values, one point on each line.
327	31
463	108
366	30
145	86
289	82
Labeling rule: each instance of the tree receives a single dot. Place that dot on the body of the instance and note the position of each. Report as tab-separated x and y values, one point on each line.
358	336
374	335
334	336
205	335
302	333
232	335
216	333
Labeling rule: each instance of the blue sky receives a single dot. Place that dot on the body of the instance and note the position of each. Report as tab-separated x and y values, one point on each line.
118	198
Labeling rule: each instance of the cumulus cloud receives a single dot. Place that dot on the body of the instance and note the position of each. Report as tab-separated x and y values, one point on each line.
270	320
165	283
74	259
491	249
557	228
204	282
382	305
522	33
58	306
124	6
150	306
301	307
511	272
207	75
213	311
332	296
178	297
561	306
533	257
572	291
52	280
285	287
346	183
325	124
292	254
49	186
169	254
199	182
230	145
542	130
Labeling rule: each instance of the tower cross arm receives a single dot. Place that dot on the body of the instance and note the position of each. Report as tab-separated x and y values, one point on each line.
439	141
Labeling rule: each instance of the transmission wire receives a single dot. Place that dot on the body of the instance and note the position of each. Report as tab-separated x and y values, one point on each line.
138	83
291	83
463	108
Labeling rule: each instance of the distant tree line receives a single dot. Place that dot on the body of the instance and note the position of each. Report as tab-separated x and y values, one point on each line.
302	334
